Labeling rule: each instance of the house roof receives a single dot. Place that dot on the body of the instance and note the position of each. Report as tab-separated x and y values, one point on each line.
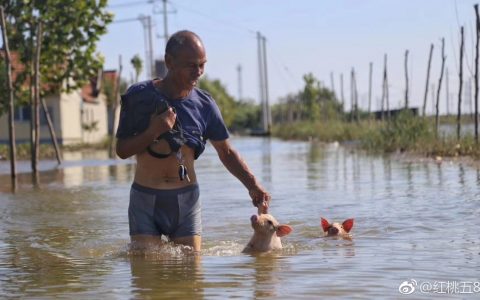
17	66
89	91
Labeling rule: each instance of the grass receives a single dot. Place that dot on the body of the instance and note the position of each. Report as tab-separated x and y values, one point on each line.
405	133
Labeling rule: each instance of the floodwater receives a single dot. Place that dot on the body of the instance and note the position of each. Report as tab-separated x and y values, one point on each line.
416	230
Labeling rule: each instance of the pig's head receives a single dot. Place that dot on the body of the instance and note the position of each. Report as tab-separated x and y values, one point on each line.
265	224
337	229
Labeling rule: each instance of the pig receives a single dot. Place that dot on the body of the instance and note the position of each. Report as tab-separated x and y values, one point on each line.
336	229
266	234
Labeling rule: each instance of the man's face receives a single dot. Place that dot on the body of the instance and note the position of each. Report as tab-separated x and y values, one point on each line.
188	65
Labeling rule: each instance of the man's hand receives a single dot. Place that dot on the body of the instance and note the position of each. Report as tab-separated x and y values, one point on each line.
260	199
161	123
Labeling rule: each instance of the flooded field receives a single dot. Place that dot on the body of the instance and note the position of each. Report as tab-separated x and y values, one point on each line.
416	230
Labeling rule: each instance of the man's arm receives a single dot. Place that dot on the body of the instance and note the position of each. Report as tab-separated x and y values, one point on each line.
235	164
159	124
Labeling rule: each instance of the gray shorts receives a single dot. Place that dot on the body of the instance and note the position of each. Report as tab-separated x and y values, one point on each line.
173	213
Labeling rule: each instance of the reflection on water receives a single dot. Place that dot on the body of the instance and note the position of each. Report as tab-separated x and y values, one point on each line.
170	277
414	219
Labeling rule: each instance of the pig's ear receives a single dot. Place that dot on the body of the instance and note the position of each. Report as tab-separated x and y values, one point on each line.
347	225
283	230
325	224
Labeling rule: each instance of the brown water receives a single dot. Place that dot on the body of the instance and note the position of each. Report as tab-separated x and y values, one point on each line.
414	221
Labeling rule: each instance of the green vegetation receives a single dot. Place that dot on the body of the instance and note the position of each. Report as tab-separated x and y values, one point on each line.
238	115
70	32
315	113
137	64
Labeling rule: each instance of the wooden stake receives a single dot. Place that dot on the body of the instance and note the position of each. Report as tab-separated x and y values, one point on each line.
439	87
428	79
460	75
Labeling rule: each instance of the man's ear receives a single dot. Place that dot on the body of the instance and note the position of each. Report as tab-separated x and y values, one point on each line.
169	60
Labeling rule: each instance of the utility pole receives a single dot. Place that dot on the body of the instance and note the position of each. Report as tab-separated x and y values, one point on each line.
341	92
165	21
165	13
147	31
447	92
263	81
261	78
332	82
239	70
265	73
370	88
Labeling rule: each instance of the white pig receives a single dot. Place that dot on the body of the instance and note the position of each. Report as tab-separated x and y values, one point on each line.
266	234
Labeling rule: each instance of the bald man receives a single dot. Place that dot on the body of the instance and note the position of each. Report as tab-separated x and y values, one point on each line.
167	139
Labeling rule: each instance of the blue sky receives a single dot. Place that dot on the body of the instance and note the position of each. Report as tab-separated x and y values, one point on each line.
308	36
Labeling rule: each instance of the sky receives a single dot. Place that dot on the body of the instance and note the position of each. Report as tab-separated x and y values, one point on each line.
310	36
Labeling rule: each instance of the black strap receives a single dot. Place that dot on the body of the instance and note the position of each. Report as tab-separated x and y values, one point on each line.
156	154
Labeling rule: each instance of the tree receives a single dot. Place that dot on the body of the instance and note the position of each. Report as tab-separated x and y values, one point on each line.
225	101
56	43
137	65
71	30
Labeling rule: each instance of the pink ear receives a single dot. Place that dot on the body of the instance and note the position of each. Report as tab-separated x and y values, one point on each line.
325	224
283	230
347	225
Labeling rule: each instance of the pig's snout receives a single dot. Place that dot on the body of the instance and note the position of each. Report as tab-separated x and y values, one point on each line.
254	219
333	230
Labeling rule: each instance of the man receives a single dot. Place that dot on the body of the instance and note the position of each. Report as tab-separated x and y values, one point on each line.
164	194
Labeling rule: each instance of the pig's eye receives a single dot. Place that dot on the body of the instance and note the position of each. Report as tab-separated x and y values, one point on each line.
270	222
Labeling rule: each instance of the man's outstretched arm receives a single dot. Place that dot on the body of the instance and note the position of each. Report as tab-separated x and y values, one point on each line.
235	164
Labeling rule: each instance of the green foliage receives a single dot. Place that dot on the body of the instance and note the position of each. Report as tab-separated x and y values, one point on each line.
90	126
108	88
225	102
403	132
313	103
331	131
137	64
309	97
246	116
238	115
71	30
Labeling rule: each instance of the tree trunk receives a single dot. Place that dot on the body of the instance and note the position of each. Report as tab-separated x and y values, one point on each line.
115	107
33	154
36	104
52	132
428	79
11	111
476	72
459	115
439	88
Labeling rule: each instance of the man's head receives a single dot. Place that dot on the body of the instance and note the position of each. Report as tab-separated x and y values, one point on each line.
185	58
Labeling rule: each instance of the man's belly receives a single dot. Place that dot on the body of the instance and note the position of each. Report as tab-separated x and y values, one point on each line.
163	173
